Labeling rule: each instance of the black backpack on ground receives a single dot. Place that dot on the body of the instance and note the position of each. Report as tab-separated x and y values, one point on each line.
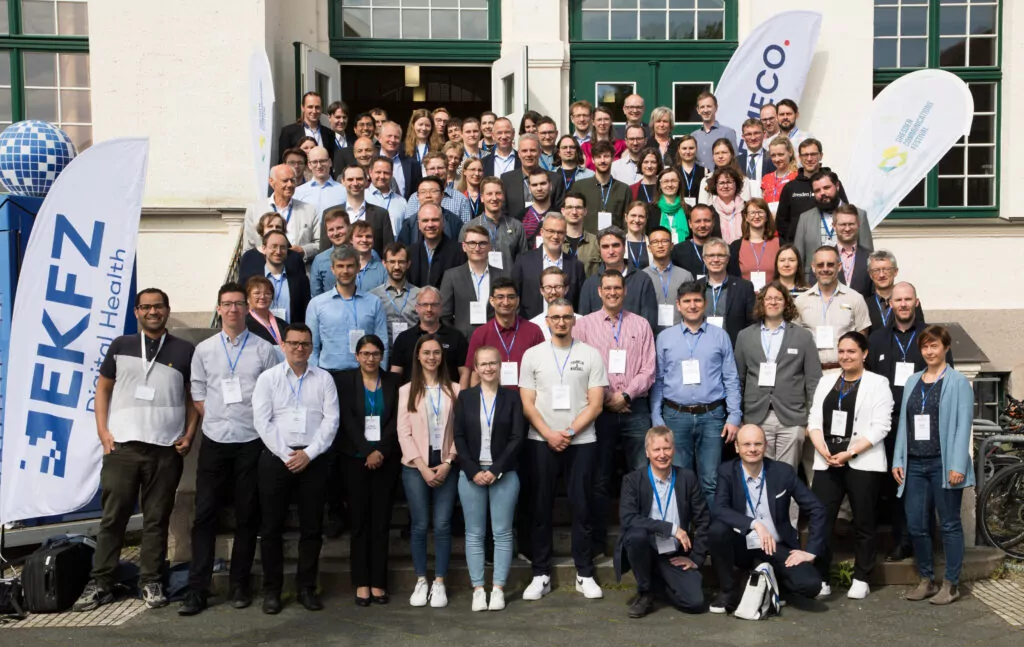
56	573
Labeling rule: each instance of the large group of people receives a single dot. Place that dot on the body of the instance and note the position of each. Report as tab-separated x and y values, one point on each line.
476	313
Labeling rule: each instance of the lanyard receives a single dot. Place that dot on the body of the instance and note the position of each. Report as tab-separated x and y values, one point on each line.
636	257
757	259
760	492
277	288
508	164
419	155
370	401
686	337
568	180
618	331
561	369
232	365
296	394
767	345
909	342
359	276
435	405
430	258
475	204
479	281
925	394
700	257
150	363
657	497
688	178
662	276
716	294
647	194
605	196
829	233
488	414
270	325
508	348
288	217
314	133
884	315
842	384
395	306
825	305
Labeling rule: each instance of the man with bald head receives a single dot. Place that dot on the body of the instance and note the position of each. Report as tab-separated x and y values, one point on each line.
750	523
303	223
894	354
633	107
504	158
323	192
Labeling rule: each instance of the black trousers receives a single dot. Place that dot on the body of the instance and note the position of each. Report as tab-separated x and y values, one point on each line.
729	551
147	474
524	505
893	504
277	486
371	498
577	461
607	429
683	588
862	487
225	471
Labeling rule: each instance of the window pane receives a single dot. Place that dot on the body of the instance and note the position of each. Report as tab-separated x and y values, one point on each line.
981	160
623	26
682	4
951	192
624	4
916	197
953	52
983	19
595	26
652	4
613	96
72	19
356	23
885	52
711	4
914	22
913	52
982	51
415	23
710	25
984	96
983	129
684	101
386	23
5	27
444	3
76	106
5	68
980	192
40	69
38	17
952	163
886	22
652	25
74	70
474	25
953	21
80	135
680	25
595	4
41	104
444	24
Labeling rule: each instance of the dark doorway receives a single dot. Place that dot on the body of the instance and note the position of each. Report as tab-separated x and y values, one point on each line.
464	91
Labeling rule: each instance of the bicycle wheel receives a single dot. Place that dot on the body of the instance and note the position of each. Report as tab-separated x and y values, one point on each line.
1001	511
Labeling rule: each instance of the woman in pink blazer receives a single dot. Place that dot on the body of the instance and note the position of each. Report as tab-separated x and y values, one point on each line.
426	435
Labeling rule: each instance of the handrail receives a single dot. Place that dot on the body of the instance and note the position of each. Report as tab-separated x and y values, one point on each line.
232	273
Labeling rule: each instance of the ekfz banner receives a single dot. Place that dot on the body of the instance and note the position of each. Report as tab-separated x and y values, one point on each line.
770	65
261	118
911	125
72	302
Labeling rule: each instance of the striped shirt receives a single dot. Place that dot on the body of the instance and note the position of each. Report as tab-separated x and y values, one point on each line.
633	335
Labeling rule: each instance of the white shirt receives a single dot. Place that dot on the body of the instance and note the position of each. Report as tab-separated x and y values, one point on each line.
278	390
626	170
504	164
355	214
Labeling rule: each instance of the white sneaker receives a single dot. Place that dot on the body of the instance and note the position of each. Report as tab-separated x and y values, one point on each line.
589	588
438	596
419	594
539	587
825	591
497	600
479	600
858	590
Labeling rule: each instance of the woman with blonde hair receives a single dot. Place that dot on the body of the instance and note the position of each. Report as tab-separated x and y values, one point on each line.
662	123
471	173
783	157
417	135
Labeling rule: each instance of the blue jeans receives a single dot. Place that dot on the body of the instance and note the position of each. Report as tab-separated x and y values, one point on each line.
698	437
633	428
923	494
609	425
502	496
419	494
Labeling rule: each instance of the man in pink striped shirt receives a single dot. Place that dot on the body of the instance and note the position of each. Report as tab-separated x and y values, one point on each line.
626	343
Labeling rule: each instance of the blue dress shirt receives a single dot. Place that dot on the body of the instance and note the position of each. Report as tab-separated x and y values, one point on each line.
282	293
372	275
331	316
322	196
392	202
719	379
452	200
321	279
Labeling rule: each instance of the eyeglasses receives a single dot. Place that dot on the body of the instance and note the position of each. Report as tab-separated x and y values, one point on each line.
491	364
756	213
505	297
238	305
302	345
319	162
551	288
810	155
716	256
628	107
774	300
148	307
561	318
882	270
477	244
429	304
553	232
370	354
277	248
725	183
659	241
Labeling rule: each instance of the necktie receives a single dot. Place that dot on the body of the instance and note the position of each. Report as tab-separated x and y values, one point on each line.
752	166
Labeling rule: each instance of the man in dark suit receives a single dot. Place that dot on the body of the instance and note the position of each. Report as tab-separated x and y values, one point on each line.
308	126
750	522
436	253
640	297
753	157
817	226
291	285
504	158
466	289
406	170
853	256
730	299
689	254
430	190
337	114
883	270
355	179
665	519
526	272
515	182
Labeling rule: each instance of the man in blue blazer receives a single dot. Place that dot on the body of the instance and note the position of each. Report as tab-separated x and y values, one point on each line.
660	506
751	522
754	145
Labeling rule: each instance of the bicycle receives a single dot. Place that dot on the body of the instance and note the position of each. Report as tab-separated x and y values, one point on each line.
1001	499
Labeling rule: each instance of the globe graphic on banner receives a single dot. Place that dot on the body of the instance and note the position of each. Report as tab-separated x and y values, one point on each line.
32	155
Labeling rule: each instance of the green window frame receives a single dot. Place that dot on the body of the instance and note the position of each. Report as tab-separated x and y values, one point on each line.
16	45
963	37
412	50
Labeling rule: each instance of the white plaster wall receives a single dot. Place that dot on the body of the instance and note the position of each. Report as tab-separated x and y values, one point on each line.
1011	171
543	26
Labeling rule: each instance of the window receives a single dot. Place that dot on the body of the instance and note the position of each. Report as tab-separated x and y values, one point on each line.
612	94
415	19
684	103
990	395
653	19
962	37
44	65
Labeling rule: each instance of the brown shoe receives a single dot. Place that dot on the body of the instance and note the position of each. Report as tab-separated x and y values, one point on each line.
947	594
925	589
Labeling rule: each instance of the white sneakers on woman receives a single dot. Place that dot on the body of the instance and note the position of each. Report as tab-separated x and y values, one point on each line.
438	595
858	590
480	600
423	592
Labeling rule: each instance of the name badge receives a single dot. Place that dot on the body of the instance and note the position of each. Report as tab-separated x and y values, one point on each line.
666	314
494	258
538	242
717	322
758	279
766	376
143	392
353	338
774	207
691	371
277	312
617	361
477	312
903	371
700	276
753	540
397	329
371	428
922	427
665	544
604	219
824	337
435	435
560	400
690	202
528	203
231	389
293	424
510	373
838	423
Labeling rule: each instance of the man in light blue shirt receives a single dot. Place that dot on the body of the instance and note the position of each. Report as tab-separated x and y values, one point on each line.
321	278
380	193
322	192
696	390
710	130
340	317
436	165
371	270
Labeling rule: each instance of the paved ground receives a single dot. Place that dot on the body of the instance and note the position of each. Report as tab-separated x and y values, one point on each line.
563	618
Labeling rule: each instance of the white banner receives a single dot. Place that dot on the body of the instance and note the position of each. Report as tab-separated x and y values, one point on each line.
72	302
912	123
261	118
769	65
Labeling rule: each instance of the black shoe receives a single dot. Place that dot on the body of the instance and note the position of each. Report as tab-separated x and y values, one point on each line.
380	599
724	603
271	602
900	553
193	604
241	597
333	525
363	602
642	605
309	599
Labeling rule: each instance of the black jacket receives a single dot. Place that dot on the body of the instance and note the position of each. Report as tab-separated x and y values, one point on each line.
515	192
253	263
292	134
641	299
379	219
447	255
635	501
257	329
350	439
796	198
884	353
739	305
690	256
526	274
507	432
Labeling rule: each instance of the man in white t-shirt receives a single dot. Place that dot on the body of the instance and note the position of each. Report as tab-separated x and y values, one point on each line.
562	385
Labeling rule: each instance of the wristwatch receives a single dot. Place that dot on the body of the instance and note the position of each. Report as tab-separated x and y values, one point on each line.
629	400
449	461
853	454
572	432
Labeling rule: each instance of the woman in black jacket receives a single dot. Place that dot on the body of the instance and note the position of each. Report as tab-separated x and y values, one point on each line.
367	446
489	430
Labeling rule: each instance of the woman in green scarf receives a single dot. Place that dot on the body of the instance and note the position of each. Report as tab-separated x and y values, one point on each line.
674	214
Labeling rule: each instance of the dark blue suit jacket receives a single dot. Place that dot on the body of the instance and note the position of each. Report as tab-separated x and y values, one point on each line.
413	172
781	486
766	163
516	164
507	432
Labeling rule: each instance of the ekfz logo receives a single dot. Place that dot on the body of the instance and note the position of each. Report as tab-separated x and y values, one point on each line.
773	58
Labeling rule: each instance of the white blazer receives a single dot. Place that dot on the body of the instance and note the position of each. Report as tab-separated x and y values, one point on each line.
872	418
